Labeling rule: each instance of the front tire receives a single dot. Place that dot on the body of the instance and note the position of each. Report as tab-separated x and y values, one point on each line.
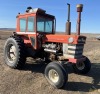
82	67
56	74
14	52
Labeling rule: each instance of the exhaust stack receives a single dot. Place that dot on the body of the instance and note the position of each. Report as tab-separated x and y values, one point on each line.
79	10
68	23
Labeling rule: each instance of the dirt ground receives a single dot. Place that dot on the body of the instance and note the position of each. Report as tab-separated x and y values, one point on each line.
31	80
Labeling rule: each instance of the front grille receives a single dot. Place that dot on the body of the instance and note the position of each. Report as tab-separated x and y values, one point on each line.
75	50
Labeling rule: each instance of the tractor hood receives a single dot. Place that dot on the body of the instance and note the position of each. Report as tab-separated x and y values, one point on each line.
69	39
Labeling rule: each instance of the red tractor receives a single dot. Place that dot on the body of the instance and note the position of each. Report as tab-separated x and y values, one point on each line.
35	37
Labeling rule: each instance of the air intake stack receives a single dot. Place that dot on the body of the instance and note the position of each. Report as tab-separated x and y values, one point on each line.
79	10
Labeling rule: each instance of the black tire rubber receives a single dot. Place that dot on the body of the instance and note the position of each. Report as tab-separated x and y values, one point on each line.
63	75
86	69
20	53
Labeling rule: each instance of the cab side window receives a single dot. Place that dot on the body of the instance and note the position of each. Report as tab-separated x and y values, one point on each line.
30	24
40	24
23	24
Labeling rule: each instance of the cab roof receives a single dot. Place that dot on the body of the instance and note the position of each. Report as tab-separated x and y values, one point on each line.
37	11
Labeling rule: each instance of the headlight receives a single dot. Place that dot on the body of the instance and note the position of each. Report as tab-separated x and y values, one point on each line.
81	40
70	40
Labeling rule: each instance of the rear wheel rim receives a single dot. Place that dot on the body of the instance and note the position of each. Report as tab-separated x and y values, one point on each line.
53	76
80	65
11	53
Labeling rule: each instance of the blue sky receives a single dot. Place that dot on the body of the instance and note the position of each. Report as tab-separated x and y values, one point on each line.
90	16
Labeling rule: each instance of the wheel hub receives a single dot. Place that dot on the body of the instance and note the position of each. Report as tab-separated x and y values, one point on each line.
53	76
80	65
12	53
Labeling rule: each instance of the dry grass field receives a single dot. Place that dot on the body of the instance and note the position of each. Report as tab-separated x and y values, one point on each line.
31	80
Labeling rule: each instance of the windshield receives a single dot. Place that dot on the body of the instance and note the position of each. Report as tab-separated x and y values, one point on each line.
44	25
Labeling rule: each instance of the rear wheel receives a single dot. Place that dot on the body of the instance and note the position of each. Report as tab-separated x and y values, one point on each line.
56	74
82	67
14	52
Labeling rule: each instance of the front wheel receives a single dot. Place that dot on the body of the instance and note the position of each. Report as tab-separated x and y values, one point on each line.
56	74
82	67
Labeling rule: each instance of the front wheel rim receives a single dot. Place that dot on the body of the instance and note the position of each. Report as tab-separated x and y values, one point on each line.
53	76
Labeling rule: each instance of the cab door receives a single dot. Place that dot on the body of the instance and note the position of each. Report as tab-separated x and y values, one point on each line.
26	27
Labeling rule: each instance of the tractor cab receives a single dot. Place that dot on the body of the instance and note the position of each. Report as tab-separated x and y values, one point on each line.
35	21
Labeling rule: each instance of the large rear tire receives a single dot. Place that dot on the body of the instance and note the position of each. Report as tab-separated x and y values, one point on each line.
82	67
14	52
56	74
